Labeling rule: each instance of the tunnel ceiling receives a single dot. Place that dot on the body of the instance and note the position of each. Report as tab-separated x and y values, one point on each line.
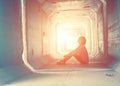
52	6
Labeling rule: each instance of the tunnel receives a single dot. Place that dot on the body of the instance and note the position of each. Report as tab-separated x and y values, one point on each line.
36	34
49	34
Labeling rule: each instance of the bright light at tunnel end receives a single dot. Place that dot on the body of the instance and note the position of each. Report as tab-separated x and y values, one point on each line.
66	39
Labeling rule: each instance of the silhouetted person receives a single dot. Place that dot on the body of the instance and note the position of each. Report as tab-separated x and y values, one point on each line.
80	53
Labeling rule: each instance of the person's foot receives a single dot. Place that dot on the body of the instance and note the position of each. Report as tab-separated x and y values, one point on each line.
60	62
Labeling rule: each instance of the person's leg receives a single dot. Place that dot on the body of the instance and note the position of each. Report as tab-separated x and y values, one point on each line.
80	59
65	59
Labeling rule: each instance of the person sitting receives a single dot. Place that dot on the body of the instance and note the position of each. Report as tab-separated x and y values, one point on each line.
80	53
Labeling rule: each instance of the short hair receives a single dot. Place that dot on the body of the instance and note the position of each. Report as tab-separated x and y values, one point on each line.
82	40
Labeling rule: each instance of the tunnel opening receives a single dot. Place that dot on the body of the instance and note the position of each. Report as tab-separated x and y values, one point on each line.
50	30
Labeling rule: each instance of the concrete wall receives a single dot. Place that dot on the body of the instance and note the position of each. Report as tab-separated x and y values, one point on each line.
33	27
114	31
10	33
114	28
36	34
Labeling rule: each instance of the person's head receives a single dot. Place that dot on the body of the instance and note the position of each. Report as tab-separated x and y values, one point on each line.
82	40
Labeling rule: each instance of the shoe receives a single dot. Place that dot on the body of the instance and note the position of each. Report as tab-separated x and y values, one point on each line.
60	63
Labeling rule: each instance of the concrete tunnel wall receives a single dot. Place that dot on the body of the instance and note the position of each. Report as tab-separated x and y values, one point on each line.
33	30
37	20
37	41
35	27
114	30
11	31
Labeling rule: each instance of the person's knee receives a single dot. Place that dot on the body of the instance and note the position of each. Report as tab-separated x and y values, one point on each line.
67	56
76	56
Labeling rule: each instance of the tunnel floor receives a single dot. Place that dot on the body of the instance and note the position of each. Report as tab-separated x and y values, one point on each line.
70	74
74	66
76	78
